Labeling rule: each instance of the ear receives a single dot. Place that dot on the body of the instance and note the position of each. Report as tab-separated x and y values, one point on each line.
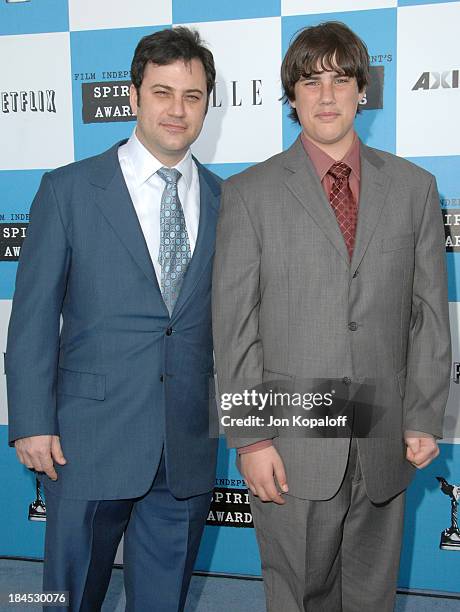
362	94
292	103
133	99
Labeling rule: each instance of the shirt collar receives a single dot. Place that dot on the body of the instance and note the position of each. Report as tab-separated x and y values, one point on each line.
145	164
322	162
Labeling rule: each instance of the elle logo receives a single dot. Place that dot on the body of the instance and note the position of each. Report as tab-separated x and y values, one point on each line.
254	99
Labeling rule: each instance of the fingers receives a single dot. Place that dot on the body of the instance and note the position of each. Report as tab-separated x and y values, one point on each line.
410	454
421	451
260	469
425	457
250	486
413	445
56	451
48	467
35	453
280	475
268	492
22	457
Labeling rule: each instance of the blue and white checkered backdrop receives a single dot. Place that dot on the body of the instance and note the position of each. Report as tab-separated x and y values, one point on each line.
63	73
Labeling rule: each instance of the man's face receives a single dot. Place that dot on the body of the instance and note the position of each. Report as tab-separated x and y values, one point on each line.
326	104
170	108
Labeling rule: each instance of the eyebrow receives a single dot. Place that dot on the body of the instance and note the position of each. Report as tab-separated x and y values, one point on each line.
317	74
169	88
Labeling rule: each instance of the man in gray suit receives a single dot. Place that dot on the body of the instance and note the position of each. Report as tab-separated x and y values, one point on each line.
330	265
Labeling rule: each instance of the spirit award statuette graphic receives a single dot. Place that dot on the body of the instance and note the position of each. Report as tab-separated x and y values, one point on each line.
450	538
37	509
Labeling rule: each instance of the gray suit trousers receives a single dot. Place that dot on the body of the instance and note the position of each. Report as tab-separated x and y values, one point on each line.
335	555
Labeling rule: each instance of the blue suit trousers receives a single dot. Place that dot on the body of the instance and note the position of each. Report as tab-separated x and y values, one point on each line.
162	536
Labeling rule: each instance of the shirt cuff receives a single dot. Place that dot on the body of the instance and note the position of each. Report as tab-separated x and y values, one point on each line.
413	433
252	448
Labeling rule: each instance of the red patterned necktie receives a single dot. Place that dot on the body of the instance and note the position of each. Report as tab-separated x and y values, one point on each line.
343	204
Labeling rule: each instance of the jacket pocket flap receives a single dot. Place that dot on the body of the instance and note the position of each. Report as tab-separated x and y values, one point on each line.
394	243
81	384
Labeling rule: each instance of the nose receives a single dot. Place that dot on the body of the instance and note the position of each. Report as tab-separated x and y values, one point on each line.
327	92
177	108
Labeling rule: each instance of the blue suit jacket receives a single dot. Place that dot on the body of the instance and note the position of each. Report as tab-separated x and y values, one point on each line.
123	377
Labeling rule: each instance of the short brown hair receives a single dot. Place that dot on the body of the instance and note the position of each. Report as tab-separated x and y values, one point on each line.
330	45
169	45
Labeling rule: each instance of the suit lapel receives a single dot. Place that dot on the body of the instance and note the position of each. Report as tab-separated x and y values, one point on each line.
114	202
305	186
204	248
374	186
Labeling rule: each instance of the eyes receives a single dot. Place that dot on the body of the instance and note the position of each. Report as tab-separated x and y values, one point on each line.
164	93
312	83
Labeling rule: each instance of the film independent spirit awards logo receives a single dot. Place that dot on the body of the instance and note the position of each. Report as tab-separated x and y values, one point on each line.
229	507
451	218
11	238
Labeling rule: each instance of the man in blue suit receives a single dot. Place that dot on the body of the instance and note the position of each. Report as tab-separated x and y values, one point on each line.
112	410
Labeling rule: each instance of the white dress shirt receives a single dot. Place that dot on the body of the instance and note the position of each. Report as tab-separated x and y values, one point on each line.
145	187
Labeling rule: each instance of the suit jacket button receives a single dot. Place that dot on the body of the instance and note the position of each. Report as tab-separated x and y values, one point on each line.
161	378
353	326
356	274
169	331
346	380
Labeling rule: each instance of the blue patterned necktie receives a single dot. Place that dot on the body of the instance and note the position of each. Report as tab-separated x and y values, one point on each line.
174	255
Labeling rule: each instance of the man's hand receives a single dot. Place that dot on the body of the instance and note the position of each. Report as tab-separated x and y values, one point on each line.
260	469
421	449
39	452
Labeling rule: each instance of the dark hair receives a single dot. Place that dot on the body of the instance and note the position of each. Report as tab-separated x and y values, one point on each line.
167	46
330	45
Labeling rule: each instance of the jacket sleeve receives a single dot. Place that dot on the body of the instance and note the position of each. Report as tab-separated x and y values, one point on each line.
236	302
429	350
33	333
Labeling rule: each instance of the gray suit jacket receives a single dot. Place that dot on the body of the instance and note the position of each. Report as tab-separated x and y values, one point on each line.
285	293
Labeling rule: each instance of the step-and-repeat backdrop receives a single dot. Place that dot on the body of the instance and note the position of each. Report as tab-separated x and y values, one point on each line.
64	76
